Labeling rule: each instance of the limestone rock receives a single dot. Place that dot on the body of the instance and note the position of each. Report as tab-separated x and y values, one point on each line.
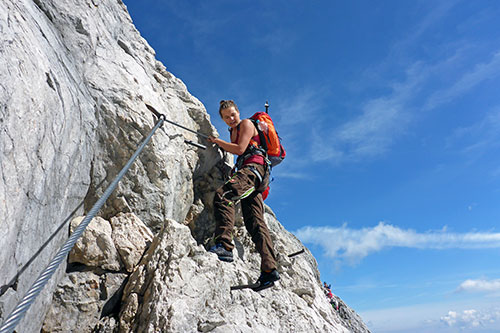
74	76
179	287
80	299
47	124
89	292
131	238
106	325
111	245
80	296
96	247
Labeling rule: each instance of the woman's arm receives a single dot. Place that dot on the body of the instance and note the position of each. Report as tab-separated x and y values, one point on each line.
247	131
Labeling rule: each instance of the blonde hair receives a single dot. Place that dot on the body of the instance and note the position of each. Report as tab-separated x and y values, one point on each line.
224	104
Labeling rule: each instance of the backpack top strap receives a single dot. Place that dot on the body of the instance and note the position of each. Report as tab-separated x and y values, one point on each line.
262	138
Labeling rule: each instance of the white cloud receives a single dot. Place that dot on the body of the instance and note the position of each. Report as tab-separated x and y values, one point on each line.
354	244
471	206
471	318
422	86
465	316
379	120
386	117
302	108
324	151
372	132
293	175
480	285
277	41
480	73
479	137
297	117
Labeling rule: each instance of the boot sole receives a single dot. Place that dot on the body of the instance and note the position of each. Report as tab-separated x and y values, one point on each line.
262	287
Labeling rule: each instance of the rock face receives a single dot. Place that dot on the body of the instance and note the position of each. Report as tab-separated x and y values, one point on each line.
74	77
116	245
100	262
131	238
96	247
179	287
80	299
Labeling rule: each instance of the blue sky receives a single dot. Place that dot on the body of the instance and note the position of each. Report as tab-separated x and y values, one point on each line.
390	113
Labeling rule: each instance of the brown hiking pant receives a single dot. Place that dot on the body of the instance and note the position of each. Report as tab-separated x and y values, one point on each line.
239	187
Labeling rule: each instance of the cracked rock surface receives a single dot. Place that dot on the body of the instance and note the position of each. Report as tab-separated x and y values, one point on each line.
74	77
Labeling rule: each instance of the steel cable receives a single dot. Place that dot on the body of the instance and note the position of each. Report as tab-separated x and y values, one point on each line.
18	313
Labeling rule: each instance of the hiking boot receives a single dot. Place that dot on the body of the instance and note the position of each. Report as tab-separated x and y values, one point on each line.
222	252
267	279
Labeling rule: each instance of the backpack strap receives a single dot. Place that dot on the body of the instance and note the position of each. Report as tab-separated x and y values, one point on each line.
263	142
237	132
253	148
251	151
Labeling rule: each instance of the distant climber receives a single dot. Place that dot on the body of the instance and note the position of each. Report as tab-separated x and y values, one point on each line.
246	186
331	298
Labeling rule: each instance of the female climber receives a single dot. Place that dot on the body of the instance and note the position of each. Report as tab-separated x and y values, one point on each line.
245	185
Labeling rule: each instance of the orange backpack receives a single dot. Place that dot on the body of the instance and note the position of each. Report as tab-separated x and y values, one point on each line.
269	139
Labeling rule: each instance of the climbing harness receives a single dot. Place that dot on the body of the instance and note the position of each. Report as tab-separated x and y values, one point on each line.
256	173
20	310
234	200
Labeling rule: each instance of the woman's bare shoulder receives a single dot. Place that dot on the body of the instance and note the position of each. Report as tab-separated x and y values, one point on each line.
246	123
